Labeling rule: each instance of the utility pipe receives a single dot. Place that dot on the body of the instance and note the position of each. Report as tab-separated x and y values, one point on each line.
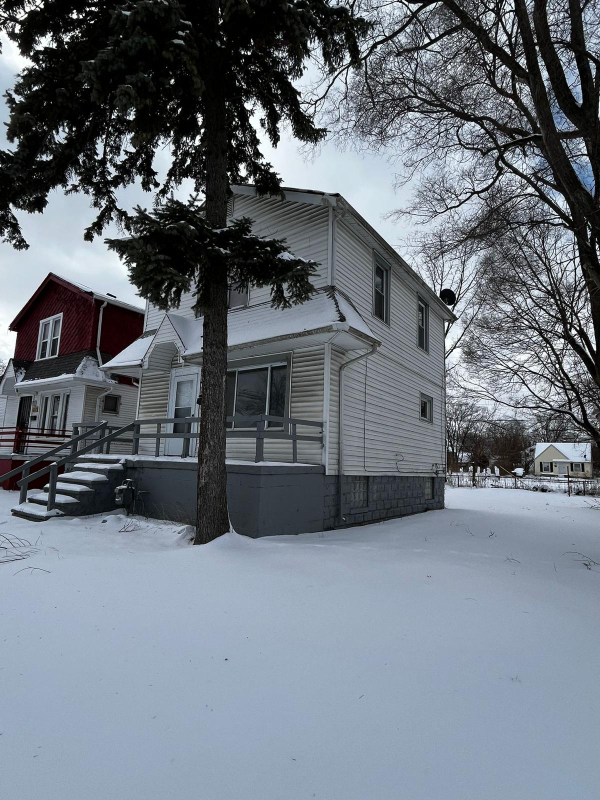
102	307
370	352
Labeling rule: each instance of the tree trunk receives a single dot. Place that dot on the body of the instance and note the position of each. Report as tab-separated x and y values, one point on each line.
212	515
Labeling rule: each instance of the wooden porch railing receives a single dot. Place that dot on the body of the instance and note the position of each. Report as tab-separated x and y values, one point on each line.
31	440
259	428
97	437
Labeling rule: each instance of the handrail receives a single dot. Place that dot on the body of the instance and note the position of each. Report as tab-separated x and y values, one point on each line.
72	456
260	432
28	464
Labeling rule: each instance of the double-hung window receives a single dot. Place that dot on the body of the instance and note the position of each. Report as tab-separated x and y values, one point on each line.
381	290
426	408
252	391
422	325
577	467
546	466
49	337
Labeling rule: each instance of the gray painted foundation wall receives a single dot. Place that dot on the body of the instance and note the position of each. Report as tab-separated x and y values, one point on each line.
273	500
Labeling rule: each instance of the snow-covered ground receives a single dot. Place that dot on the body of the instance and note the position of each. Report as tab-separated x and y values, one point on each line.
453	655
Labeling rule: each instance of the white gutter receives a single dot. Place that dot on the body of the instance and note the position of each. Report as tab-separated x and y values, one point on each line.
370	352
102	307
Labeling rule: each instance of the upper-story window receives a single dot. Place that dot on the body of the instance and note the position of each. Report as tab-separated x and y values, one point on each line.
426	407
381	290
238	296
423	325
49	337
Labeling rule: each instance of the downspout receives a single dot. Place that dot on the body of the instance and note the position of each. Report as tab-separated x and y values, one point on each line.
370	352
100	396
102	307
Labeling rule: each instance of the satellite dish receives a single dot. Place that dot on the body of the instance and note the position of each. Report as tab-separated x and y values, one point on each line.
448	296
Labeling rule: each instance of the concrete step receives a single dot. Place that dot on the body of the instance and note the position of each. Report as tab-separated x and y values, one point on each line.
41	499
100	467
90	479
90	458
76	490
34	513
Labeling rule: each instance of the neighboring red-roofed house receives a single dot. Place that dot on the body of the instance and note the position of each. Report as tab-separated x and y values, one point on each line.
65	332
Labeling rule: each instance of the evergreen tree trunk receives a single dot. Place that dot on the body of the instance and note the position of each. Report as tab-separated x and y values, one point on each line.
212	515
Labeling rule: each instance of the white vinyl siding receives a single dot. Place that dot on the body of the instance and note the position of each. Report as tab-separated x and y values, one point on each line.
154	402
305	229
383	433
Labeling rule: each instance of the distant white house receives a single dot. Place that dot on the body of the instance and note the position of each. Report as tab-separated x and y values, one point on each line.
563	458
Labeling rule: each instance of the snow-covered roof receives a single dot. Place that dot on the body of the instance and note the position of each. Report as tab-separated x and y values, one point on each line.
88	370
326	310
133	355
572	451
105	297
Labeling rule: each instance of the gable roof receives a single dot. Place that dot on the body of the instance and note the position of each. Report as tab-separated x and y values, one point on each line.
572	451
361	227
52	277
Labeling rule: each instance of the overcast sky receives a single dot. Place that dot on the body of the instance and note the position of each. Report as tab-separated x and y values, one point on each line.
56	237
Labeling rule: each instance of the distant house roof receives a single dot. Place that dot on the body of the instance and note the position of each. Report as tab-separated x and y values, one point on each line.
75	287
572	451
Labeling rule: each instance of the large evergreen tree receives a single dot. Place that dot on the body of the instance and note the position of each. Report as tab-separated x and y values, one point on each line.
109	84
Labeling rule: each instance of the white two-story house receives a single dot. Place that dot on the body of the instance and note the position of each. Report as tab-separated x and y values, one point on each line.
363	359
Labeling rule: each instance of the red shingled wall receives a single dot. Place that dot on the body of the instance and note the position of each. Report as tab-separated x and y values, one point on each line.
120	327
78	322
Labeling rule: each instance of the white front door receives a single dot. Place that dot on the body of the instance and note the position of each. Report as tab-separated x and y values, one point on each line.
182	403
562	468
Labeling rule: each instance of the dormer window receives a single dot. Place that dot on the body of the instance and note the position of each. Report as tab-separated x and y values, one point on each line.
49	337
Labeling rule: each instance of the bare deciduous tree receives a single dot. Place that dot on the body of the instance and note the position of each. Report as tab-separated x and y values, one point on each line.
495	107
531	346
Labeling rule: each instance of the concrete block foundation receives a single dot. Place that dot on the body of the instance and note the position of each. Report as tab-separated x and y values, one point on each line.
270	500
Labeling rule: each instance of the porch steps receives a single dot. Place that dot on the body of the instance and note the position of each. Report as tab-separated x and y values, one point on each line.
34	512
89	489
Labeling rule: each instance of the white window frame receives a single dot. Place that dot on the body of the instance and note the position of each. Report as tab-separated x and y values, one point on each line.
50	339
104	409
421	302
578	466
378	262
45	412
547	466
269	366
429	399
